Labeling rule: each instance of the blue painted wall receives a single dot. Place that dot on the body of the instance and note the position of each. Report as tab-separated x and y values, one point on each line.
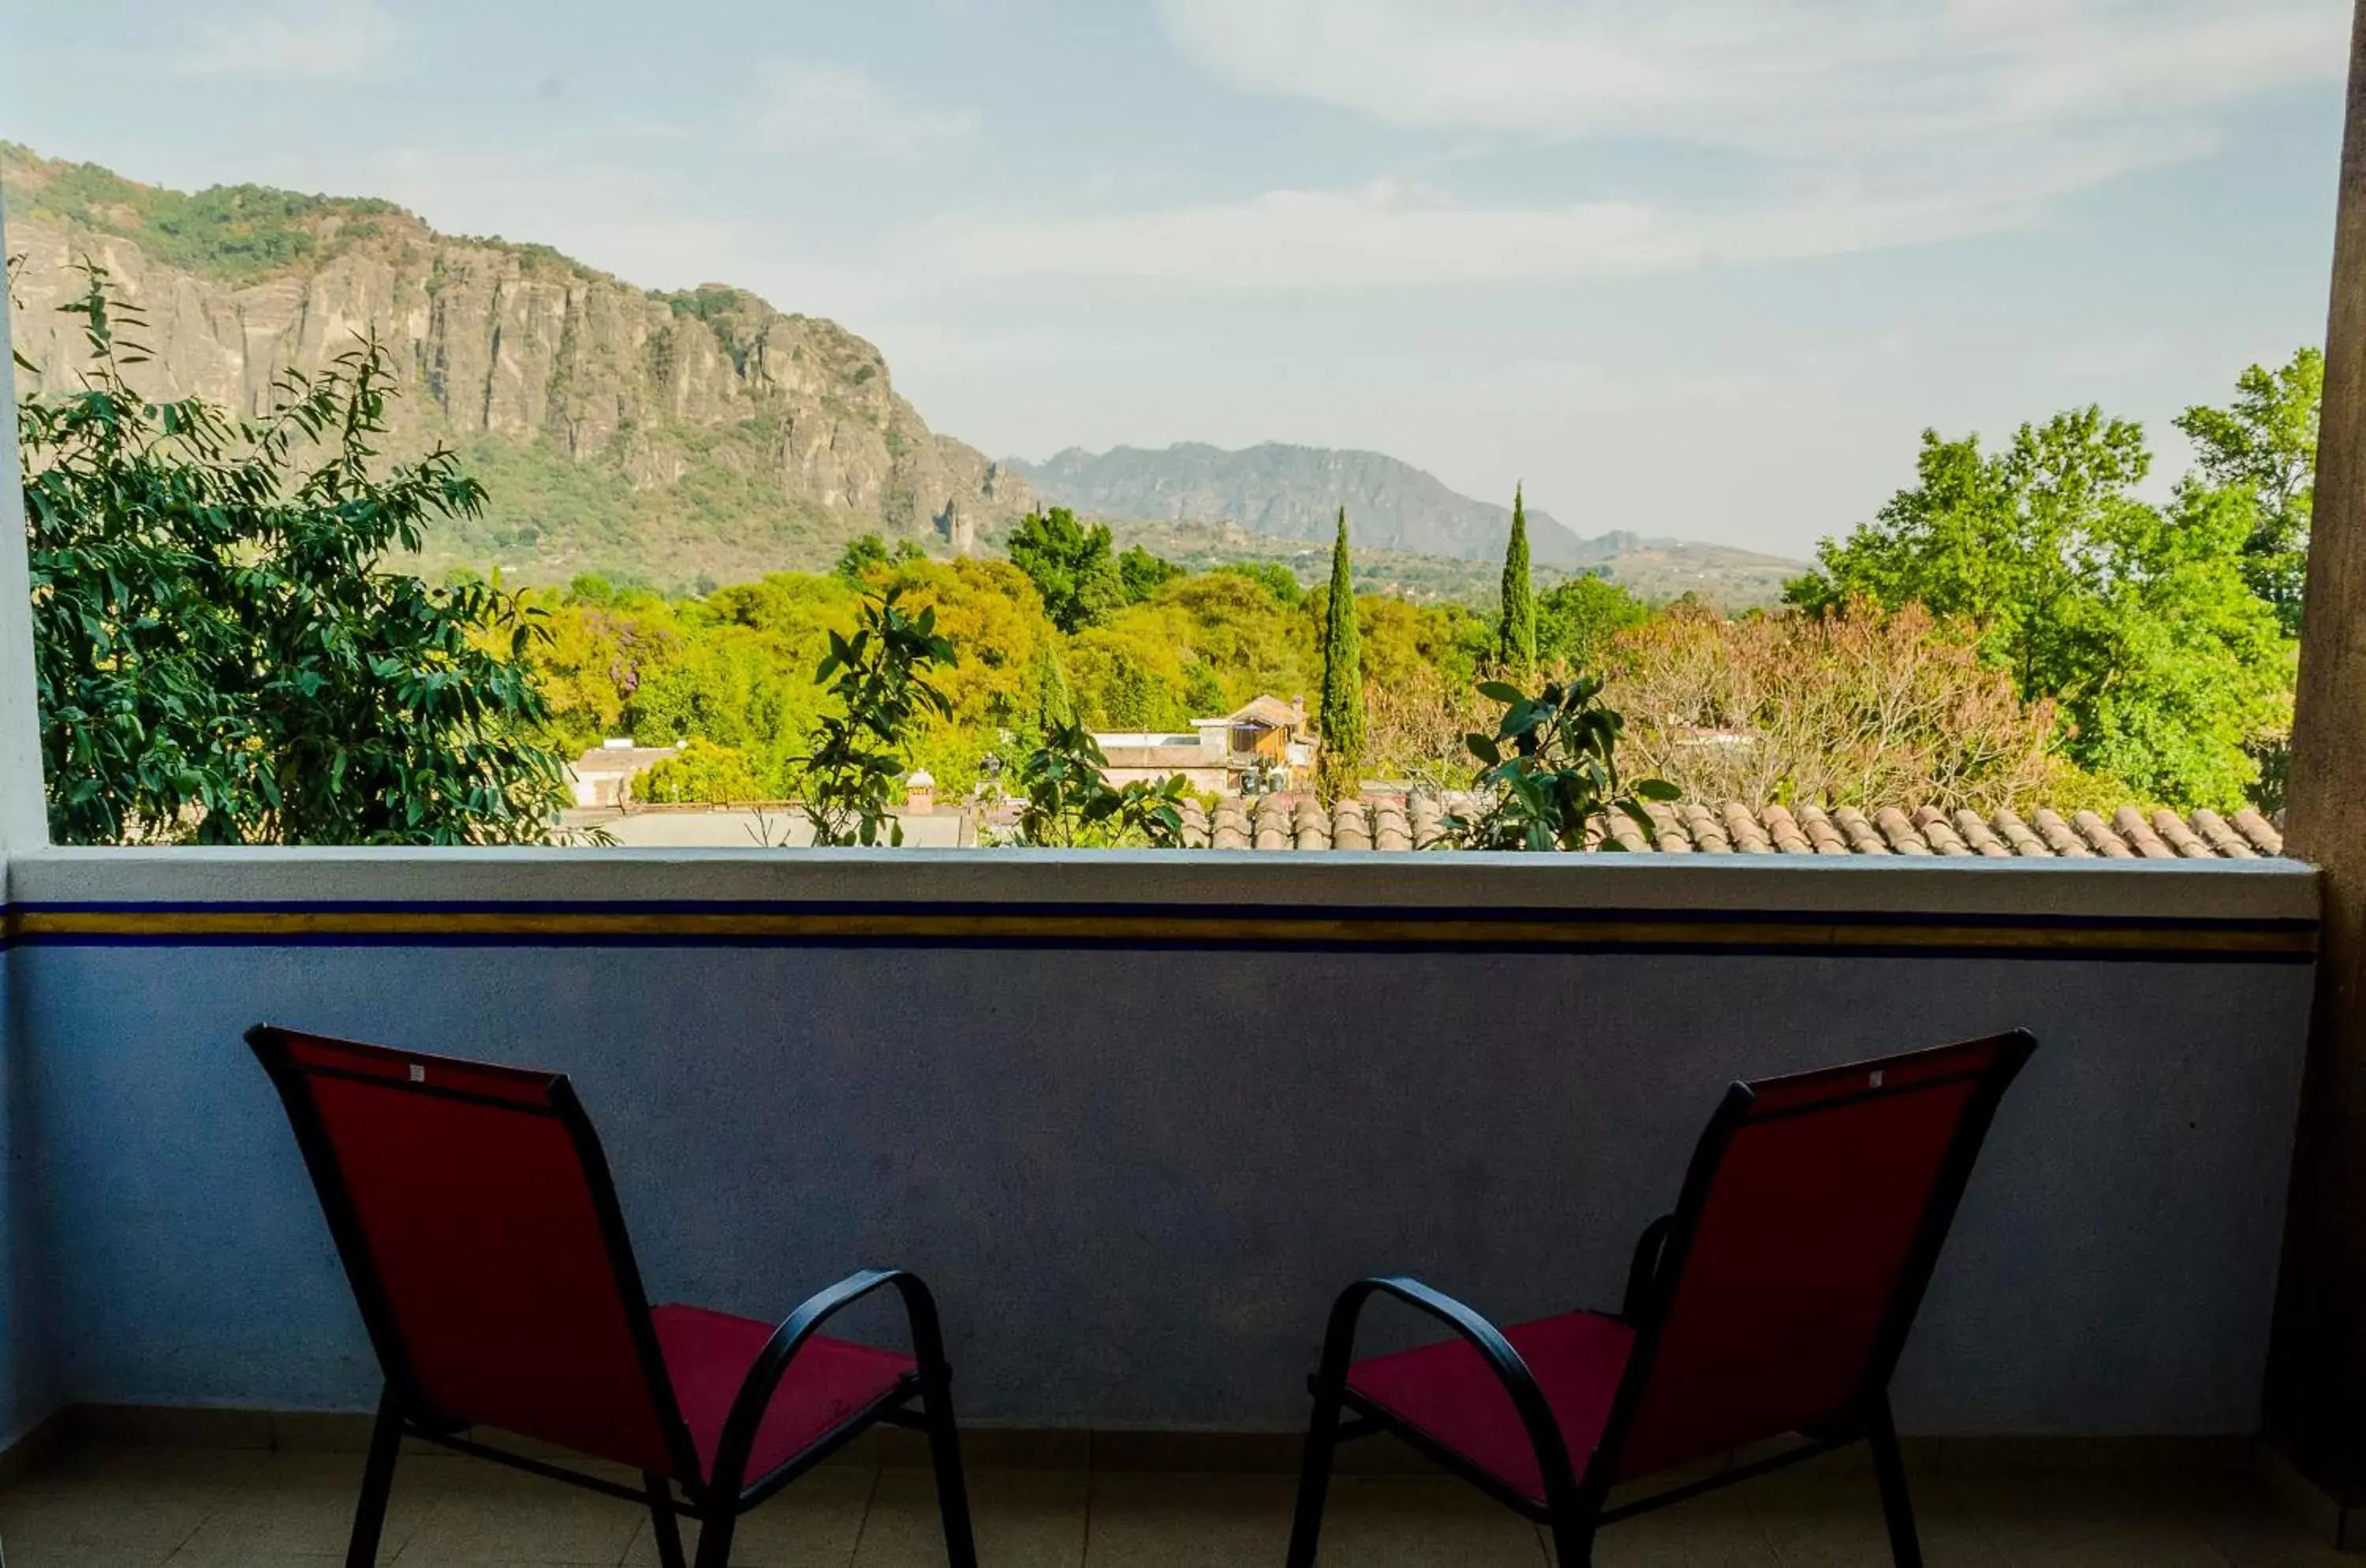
30	1388
1136	1179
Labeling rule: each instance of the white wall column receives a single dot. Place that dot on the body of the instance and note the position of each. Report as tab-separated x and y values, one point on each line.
24	819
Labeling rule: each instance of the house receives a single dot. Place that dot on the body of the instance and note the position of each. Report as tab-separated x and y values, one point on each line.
604	774
1267	746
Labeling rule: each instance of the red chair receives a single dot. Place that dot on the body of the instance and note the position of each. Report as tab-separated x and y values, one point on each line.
1776	1299
480	1231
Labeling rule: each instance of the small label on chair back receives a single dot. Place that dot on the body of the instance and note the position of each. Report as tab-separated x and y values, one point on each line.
419	1073
1876	1076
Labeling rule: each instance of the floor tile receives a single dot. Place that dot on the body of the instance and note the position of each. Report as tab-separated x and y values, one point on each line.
1022	1519
1714	1532
2251	1529
163	1507
814	1524
1423	1521
471	1514
2084	1522
1831	1517
295	1505
130	1507
1188	1521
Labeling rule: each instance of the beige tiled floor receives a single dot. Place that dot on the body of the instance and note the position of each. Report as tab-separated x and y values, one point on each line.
135	1507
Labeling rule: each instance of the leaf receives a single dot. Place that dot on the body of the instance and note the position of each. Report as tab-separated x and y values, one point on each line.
1657	789
1499	691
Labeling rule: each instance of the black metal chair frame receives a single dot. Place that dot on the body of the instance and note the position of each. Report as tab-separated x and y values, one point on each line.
921	1400
1575	1505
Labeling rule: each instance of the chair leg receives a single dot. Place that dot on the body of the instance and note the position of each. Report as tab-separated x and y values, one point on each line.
715	1535
1889	1469
377	1484
1574	1542
1314	1477
663	1524
944	1454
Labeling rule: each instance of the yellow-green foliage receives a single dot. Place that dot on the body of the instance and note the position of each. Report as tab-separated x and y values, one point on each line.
1201	645
702	772
734	669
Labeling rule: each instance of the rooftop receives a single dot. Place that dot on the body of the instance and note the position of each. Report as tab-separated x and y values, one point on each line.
1415	822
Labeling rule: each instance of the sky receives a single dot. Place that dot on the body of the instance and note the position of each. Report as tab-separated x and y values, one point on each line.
1704	268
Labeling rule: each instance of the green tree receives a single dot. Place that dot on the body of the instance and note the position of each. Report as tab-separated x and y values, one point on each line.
1277	579
1515	630
1055	702
2264	445
1577	618
2138	623
703	774
1340	762
218	655
860	754
1070	565
867	553
1145	574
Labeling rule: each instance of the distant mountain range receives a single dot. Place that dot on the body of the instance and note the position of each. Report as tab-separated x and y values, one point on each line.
1286	492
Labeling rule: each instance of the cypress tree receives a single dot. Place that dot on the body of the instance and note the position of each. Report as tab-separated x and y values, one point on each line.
1515	634
1342	757
1056	704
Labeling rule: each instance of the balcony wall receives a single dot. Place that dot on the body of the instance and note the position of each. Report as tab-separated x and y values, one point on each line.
1138	1117
29	1387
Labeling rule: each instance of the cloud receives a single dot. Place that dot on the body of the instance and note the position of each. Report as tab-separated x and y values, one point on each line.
1851	126
1396	234
807	109
296	39
1778	77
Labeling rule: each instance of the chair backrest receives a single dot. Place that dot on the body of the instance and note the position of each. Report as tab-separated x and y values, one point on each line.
1810	1222
479	1228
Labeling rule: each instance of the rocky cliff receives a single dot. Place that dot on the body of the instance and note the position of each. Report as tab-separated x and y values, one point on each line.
670	437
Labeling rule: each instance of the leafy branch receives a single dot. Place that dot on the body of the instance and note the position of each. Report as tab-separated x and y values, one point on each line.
1551	772
857	756
1070	804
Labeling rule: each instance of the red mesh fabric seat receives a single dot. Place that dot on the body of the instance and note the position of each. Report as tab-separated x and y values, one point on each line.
1447	1393
479	1228
709	1354
1774	1301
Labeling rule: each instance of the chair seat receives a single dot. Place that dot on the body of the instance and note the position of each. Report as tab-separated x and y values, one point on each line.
707	1355
1448	1395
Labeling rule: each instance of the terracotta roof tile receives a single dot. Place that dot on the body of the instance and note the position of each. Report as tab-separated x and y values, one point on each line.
2222	837
1395	823
1897	830
2263	835
1743	831
1707	834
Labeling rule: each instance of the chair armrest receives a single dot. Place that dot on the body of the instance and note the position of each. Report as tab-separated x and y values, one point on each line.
1643	1274
1528	1399
772	1363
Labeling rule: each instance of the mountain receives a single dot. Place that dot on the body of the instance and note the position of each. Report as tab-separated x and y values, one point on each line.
1290	492
667	437
1733	580
1197	503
